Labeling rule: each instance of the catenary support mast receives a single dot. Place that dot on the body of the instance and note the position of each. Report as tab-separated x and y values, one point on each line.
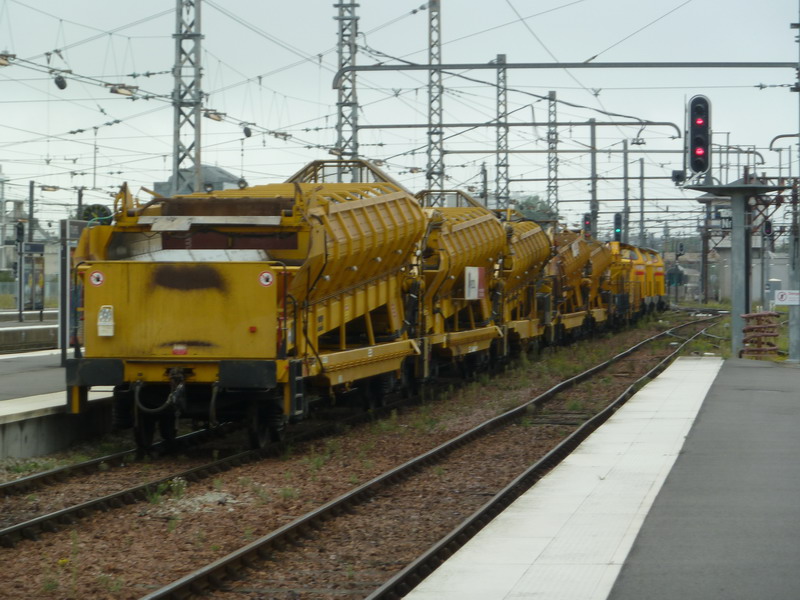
347	104
435	174
187	98
502	194
552	153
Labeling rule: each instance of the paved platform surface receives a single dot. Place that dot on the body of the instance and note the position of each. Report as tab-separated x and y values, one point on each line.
30	374
689	491
33	384
727	523
33	404
30	334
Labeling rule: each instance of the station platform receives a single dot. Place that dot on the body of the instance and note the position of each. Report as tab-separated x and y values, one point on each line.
691	490
33	406
28	316
38	330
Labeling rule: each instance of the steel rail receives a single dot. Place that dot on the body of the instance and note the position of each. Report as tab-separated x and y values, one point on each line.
52	521
407	579
25	484
213	575
32	528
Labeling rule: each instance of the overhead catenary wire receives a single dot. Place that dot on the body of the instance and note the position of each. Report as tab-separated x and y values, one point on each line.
225	139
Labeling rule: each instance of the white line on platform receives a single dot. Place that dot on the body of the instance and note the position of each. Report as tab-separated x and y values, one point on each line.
31	354
20	409
569	535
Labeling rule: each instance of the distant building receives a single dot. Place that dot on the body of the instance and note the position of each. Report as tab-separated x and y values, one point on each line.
776	265
214	177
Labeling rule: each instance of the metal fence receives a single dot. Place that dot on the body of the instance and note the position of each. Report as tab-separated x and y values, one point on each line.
8	295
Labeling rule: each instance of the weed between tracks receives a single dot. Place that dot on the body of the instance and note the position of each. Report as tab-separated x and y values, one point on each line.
174	488
13	468
538	370
212	518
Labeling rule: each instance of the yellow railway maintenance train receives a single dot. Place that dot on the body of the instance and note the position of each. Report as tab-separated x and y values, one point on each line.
259	304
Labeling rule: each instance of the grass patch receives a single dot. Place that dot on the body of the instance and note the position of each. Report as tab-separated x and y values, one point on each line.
388	425
174	488
425	420
575	405
288	493
110	584
13	468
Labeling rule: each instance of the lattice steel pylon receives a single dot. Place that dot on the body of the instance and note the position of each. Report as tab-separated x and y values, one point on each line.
502	195
187	99
435	172
552	153
347	104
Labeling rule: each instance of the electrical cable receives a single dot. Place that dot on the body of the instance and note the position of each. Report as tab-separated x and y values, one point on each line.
627	37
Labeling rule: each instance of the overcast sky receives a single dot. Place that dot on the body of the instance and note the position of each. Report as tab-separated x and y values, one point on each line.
271	64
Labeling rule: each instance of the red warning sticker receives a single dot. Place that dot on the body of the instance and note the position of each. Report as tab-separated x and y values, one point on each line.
96	278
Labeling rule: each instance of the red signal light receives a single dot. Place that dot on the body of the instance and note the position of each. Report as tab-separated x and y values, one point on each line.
699	135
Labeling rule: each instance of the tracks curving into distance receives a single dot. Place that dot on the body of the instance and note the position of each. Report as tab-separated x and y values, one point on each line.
321	538
33	528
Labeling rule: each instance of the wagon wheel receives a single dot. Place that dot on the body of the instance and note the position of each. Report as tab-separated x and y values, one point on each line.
122	408
473	364
588	327
410	384
143	433
496	358
168	428
559	334
264	422
376	389
152	407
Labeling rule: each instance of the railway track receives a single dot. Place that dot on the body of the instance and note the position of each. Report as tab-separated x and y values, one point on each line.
138	483
147	485
42	502
36	481
557	421
366	542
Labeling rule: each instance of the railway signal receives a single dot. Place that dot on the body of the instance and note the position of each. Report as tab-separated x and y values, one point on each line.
587	225
699	138
617	227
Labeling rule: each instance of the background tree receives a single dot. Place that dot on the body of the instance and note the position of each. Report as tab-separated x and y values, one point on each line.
534	208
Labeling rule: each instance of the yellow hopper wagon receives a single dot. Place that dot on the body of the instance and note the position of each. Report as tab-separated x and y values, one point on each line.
258	305
569	271
247	304
525	307
624	291
460	302
656	286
